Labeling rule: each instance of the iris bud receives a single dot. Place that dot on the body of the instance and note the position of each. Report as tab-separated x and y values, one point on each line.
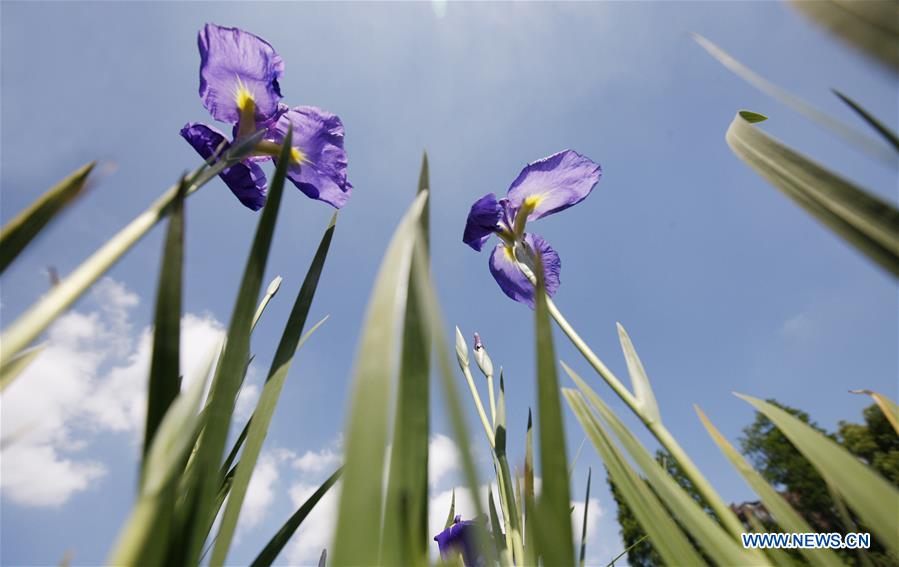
461	350
481	356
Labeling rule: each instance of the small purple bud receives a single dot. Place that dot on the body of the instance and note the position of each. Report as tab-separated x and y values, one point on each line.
478	345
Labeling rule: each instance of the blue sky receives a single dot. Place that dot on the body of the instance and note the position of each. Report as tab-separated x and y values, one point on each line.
723	284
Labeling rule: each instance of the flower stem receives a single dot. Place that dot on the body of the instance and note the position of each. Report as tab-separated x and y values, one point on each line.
28	326
724	513
477	402
492	400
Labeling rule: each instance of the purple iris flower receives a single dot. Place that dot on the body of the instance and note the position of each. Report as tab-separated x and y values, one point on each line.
245	179
318	164
239	75
460	537
543	187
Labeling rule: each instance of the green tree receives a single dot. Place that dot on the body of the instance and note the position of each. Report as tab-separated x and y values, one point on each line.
775	458
778	461
875	442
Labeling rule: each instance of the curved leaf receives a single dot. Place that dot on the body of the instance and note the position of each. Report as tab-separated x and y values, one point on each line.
865	221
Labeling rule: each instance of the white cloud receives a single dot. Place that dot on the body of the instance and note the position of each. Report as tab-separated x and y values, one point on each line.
318	462
44	478
261	490
246	401
798	328
443	458
90	379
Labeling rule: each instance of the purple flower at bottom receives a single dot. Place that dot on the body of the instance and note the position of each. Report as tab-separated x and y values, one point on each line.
460	537
245	179
543	187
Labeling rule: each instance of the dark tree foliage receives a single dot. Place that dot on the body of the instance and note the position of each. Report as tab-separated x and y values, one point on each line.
777	460
643	554
875	442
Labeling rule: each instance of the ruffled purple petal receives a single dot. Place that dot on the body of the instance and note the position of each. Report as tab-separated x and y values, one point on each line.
482	221
555	183
231	58
246	179
512	280
318	135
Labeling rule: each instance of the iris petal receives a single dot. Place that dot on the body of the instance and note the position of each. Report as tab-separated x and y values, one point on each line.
318	135
512	280
245	179
483	217
554	183
232	62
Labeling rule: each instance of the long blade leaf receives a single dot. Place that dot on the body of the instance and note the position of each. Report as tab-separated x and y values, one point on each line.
356	542
719	545
866	144
274	547
268	399
554	536
21	230
406	506
29	325
869	495
783	513
229	374
871	27
887	406
865	221
642	388
664	534
165	377
583	554
872	121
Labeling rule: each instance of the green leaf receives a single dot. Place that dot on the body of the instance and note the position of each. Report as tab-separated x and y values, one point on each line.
273	288
664	534
863	220
646	400
29	325
861	141
356	541
495	526
723	548
554	536
787	518
583	555
627	550
144	537
22	229
881	128
452	511
205	480
887	406
530	506
19	363
430	306
268	399
777	555
165	376
274	547
406	506
869	495
871	27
